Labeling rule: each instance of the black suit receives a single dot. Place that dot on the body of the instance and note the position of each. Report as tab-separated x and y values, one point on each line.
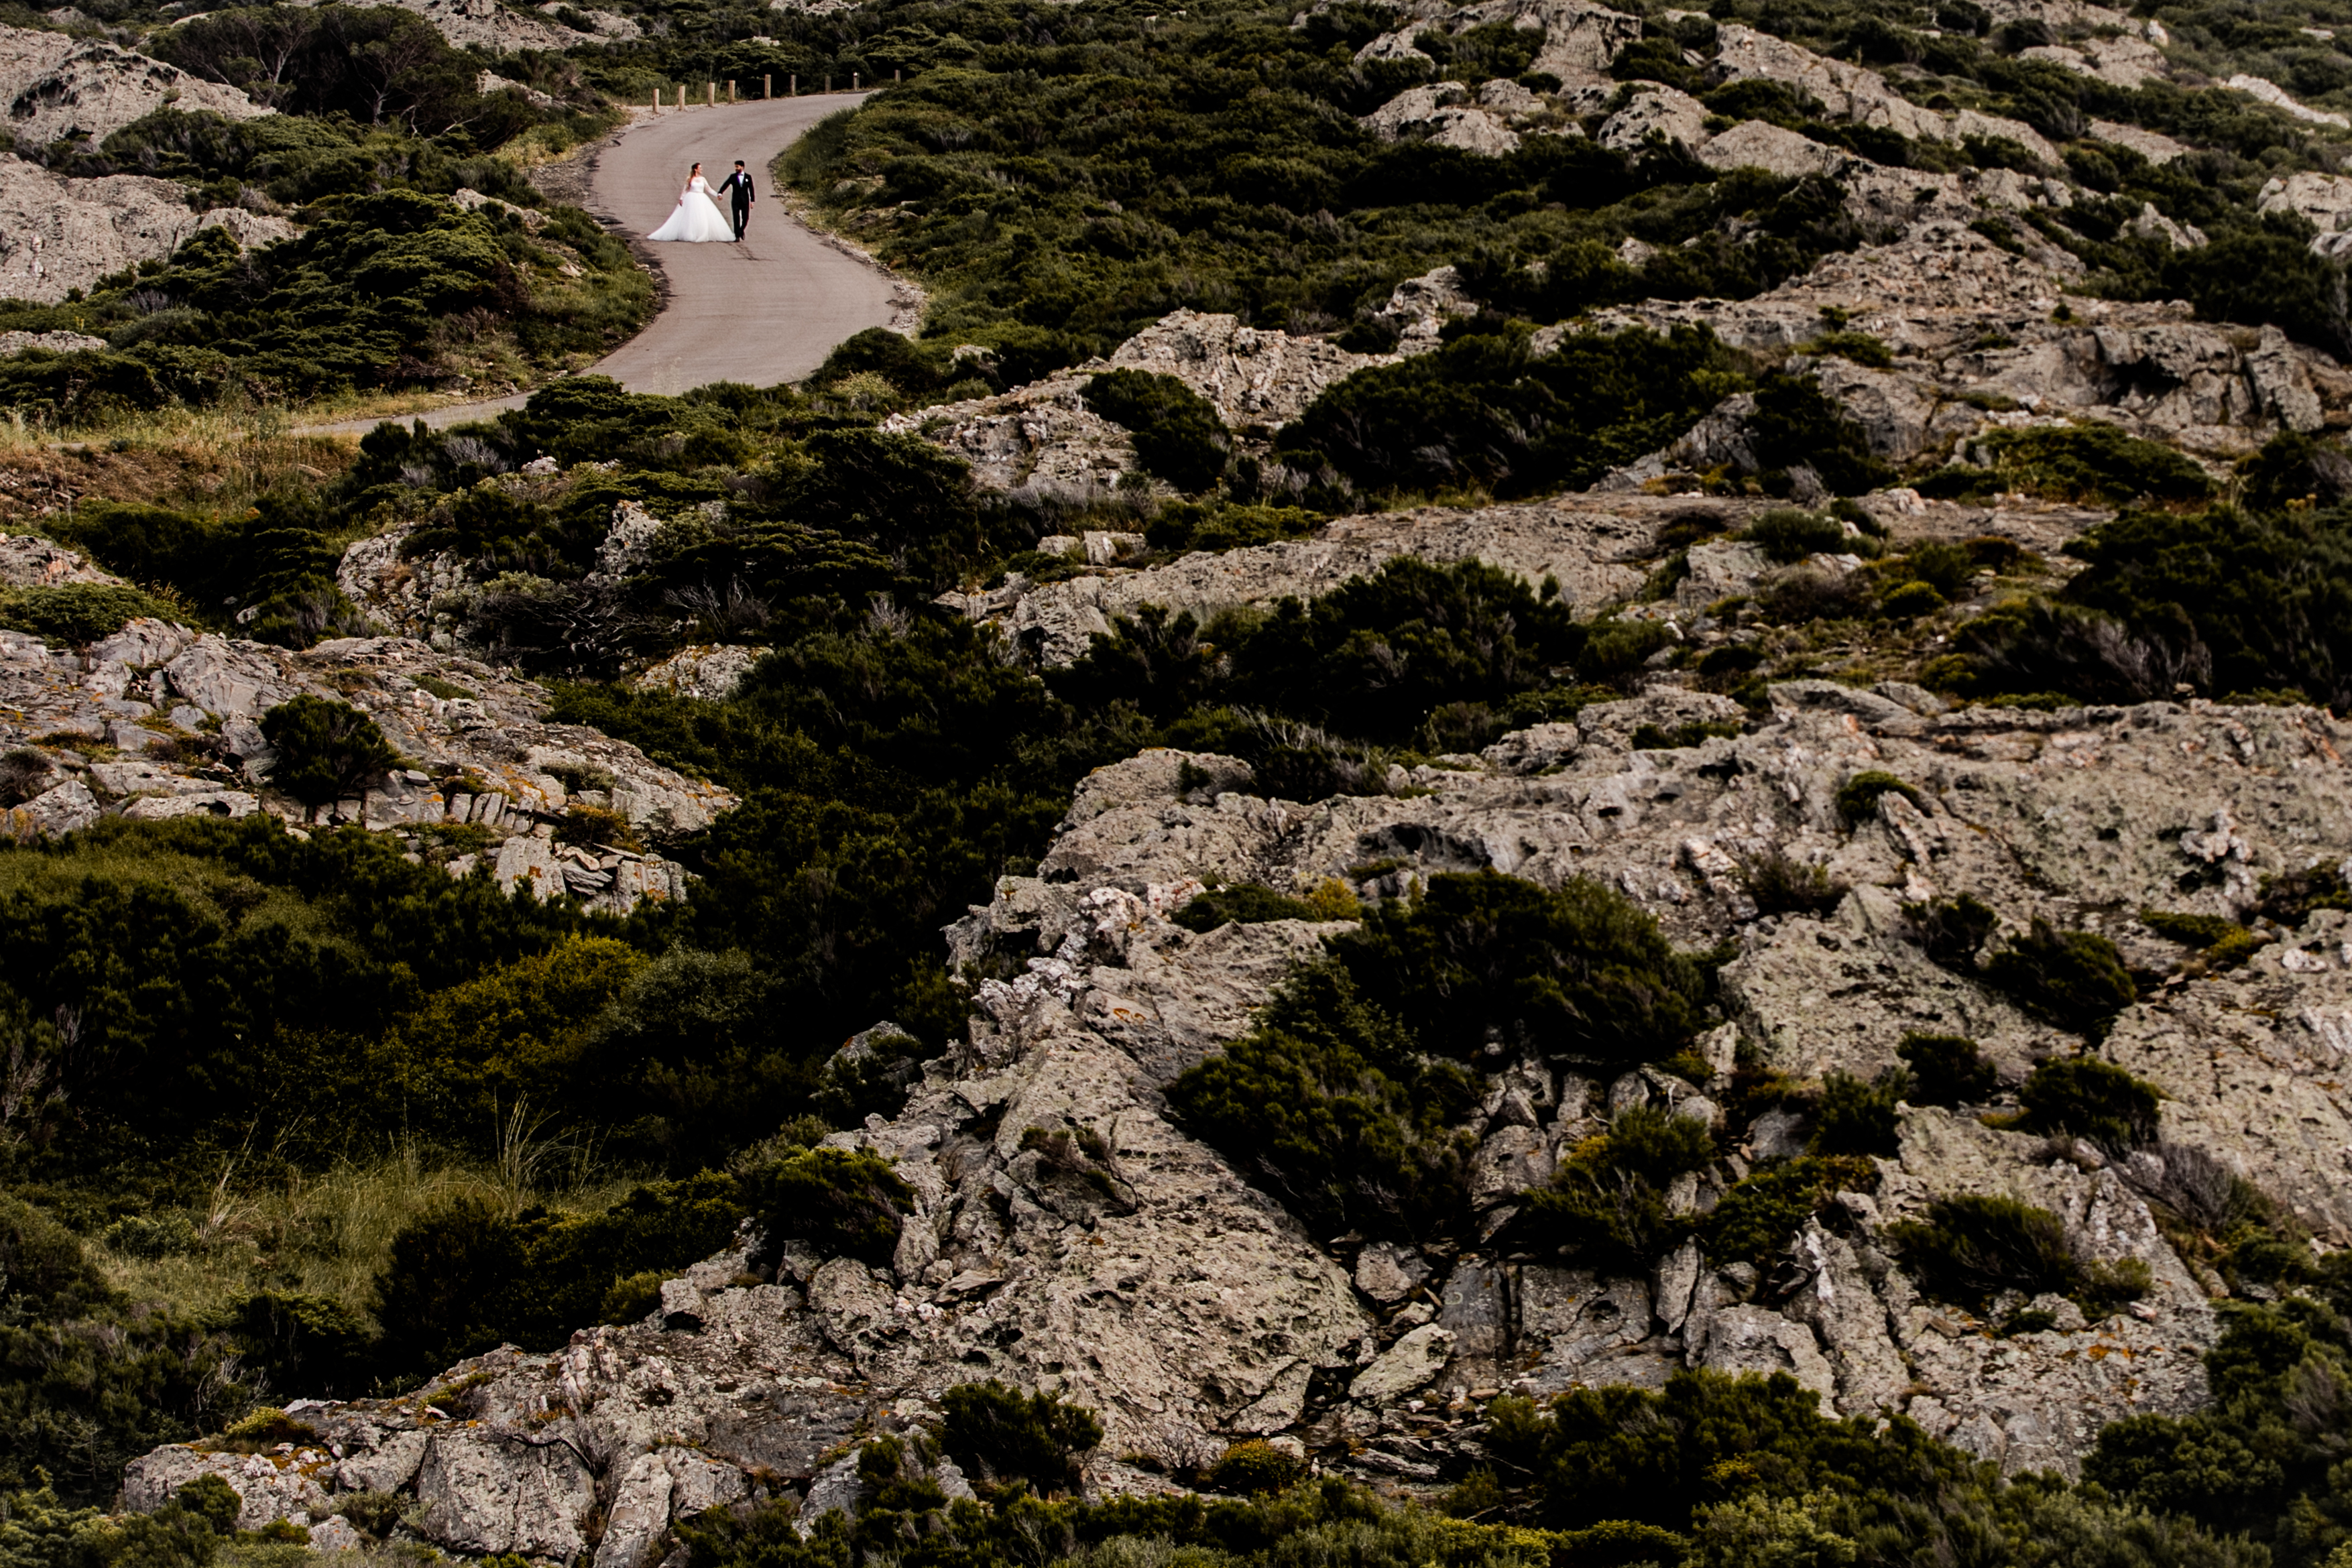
737	188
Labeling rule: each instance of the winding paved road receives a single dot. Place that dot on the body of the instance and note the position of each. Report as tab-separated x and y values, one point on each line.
763	311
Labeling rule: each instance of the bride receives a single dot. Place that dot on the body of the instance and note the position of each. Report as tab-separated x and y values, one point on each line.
698	216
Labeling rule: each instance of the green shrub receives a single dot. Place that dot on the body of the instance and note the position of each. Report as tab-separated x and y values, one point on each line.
1946	1070
74	613
2075	980
2086	1098
1606	1204
1952	931
1909	601
1328	1102
1248	903
631	1297
1579	969
1787	535
266	1426
1257	1468
325	750
1857	797
1178	435
2225	943
43	1263
2290	896
1855	1117
1763	1212
1974	1247
1781	885
2094	462
846	1201
999	1434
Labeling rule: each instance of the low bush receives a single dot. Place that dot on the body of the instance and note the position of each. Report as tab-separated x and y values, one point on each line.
1788	536
1178	435
1975	1247
74	613
1606	1206
999	1435
2097	464
1952	931
1761	1213
1857	797
1782	885
325	750
2075	980
1329	1102
1577	969
1251	904
2225	943
1854	1116
1946	1070
2084	1097
465	1276
1257	1468
2290	896
846	1201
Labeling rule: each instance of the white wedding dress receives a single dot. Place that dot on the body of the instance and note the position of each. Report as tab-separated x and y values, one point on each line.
698	216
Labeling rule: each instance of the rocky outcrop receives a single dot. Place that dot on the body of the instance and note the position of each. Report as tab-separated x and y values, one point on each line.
2271	93
710	672
1979	343
59	87
57	235
176	714
1580	39
1190	1308
1591	545
1043	437
486	23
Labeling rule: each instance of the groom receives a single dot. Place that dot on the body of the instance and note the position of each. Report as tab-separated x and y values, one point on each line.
737	188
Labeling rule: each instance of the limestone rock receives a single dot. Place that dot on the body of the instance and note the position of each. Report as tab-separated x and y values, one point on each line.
2271	93
468	23
268	1486
59	233
1258	380
709	671
1784	154
1443	115
1665	112
58	86
486	1491
1588	544
1405	1366
1420	306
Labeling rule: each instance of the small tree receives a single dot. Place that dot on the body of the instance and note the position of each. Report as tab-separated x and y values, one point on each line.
999	1434
326	750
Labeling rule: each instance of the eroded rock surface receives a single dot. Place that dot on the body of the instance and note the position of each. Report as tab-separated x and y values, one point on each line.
58	234
178	713
1161	1288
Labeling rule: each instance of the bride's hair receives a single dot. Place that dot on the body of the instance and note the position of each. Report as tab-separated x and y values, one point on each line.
691	174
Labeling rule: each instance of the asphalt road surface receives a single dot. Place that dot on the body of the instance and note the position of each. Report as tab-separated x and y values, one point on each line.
763	311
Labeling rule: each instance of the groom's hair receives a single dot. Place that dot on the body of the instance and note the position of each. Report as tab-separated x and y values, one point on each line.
739	162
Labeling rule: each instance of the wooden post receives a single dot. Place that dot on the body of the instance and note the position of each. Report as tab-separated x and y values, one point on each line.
731	92
793	88
710	95
828	82
896	74
656	101
853	81
767	85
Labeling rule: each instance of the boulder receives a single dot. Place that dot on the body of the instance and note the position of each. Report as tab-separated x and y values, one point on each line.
1783	154
1404	1366
709	671
2265	92
1656	110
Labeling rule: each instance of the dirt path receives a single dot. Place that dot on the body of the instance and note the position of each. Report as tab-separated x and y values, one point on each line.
763	311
